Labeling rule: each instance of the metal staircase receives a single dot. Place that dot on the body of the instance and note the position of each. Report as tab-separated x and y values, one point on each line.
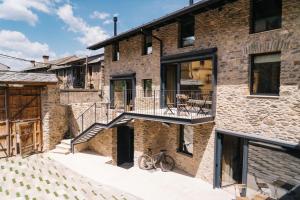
94	120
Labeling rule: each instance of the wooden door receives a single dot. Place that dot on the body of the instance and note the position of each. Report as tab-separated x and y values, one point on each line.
26	138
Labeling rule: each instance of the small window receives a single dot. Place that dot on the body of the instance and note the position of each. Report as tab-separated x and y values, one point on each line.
266	15
187	32
115	52
265	74
147	44
147	83
186	139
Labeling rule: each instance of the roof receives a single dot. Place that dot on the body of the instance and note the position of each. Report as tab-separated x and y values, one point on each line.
61	61
198	7
4	67
91	60
27	78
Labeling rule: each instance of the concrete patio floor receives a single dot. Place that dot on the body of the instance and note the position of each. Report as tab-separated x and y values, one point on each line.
148	185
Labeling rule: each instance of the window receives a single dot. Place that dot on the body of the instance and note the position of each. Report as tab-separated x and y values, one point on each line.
266	15
186	139
90	71
115	52
147	44
147	83
265	74
187	32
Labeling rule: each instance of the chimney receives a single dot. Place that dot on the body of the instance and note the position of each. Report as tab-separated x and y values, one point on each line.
115	26
46	58
191	2
32	63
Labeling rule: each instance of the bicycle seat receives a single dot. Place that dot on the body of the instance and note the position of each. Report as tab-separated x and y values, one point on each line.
163	150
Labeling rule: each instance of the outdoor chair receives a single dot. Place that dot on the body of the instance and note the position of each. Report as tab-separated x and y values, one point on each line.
182	104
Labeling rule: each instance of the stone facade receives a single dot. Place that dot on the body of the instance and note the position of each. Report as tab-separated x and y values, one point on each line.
54	117
227	29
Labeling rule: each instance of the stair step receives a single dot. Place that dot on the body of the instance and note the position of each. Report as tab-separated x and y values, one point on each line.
67	141
60	151
63	146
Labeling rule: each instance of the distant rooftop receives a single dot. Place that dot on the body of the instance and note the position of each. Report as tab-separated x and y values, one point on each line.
4	67
10	77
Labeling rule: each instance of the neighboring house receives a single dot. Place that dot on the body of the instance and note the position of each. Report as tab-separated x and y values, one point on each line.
83	72
43	67
4	67
215	84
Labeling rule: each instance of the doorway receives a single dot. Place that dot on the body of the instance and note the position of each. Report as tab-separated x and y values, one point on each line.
125	145
122	93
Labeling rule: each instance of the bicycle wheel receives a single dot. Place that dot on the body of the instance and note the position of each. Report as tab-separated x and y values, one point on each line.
145	162
167	163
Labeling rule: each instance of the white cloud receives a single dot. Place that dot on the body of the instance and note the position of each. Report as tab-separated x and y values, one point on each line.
16	44
88	34
108	21
22	10
100	15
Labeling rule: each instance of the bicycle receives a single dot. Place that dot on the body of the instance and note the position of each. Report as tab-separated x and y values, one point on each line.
162	160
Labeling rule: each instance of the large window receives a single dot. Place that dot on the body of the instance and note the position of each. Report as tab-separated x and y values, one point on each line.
147	84
187	32
266	15
115	52
147	44
186	139
265	74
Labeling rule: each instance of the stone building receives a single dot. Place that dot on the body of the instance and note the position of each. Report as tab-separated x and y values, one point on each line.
216	84
31	117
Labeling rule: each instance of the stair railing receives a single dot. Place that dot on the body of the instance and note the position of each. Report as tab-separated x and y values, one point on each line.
87	118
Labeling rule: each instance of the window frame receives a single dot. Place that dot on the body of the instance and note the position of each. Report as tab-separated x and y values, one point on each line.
252	20
180	38
115	51
180	148
144	88
144	44
251	65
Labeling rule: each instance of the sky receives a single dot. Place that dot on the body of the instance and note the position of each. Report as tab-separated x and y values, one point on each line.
32	28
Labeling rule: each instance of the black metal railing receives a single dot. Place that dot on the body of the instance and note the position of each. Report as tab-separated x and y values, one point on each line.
188	104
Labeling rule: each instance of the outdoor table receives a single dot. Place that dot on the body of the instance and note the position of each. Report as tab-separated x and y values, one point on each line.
199	103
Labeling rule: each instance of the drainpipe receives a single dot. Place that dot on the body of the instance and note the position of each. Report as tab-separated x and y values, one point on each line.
157	38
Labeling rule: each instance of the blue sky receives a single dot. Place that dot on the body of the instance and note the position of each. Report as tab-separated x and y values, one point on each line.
31	28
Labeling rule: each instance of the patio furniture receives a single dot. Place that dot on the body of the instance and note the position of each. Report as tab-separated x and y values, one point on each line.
200	104
182	103
239	188
169	108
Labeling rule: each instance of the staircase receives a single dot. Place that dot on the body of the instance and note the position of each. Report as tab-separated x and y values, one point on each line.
63	147
101	120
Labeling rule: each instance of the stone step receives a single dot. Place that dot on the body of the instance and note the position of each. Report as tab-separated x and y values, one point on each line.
63	146
67	141
61	151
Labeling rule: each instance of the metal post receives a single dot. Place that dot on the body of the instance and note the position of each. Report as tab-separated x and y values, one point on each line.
81	123
95	113
107	107
154	102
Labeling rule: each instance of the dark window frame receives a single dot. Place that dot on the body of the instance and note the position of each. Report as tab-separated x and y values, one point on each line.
252	20
146	45
116	51
251	65
184	21
180	148
147	93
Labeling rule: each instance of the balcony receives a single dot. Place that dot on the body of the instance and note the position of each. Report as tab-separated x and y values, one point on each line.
186	107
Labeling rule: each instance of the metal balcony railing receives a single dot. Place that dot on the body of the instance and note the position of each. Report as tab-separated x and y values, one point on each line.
191	104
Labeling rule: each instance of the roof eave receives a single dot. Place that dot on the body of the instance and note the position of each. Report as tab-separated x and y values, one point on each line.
201	6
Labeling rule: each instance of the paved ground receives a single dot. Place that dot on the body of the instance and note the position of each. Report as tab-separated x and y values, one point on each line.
148	185
41	178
